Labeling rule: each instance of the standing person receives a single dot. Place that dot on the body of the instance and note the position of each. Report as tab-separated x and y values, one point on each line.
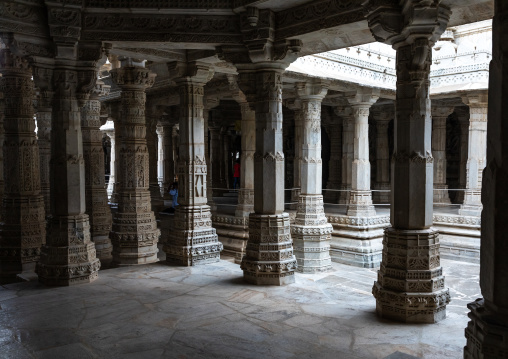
236	174
173	190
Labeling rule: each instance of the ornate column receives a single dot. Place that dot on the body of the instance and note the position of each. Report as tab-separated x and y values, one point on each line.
269	259
23	227
463	115
160	158
487	332
153	115
410	285
134	234
43	78
297	168
439	115
69	256
246	192
334	131
477	152
360	199
311	231
345	112
110	132
209	103
168	123
382	116
96	197
193	240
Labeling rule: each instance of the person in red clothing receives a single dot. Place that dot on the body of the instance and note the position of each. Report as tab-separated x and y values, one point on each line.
236	174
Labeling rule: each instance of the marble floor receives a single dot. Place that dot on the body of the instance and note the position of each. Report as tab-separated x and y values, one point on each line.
160	311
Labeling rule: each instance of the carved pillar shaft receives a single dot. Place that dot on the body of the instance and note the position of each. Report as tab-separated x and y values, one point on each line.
269	259
112	163
382	162
335	164
160	159
347	153
69	256
477	153
439	116
246	192
209	182
193	240
297	168
487	332
311	231
96	197
23	228
44	113
360	199
134	234
152	142
169	158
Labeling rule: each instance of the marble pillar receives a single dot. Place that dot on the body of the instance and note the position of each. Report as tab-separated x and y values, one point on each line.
193	240
360	198
297	169
346	113
334	131
246	191
209	103
152	141
160	158
110	132
487	331
96	197
69	256
23	227
410	285
269	259
382	119
134	234
463	116
169	154
311	232
477	152
439	115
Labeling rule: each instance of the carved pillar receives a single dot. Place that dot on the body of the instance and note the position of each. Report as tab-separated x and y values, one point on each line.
269	259
215	158
160	158
411	285
477	152
69	256
382	118
193	240
297	168
463	116
169	159
134	233
209	103
334	131
152	118
23	227
246	192
43	78
487	332
345	112
360	199
110	132
311	231
96	197
439	116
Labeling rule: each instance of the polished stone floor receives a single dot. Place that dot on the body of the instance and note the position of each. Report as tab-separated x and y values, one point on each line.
159	311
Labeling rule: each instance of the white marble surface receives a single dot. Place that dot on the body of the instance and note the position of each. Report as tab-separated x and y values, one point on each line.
159	311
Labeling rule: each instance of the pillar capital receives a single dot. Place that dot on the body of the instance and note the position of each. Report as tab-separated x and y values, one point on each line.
441	111
191	72
307	91
362	99
133	77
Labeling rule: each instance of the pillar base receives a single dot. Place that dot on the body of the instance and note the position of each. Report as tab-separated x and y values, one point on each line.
360	204
471	210
311	235
104	250
486	333
193	240
441	196
411	286
344	194
245	202
269	259
382	197
69	257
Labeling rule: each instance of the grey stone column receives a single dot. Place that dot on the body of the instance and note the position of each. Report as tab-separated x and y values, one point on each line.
69	256
134	234
487	332
439	115
382	118
43	77
477	152
334	131
346	113
193	240
154	113
411	285
360	199
246	192
311	231
209	103
160	158
463	116
297	168
269	259
96	197
112	163
169	155
23	228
